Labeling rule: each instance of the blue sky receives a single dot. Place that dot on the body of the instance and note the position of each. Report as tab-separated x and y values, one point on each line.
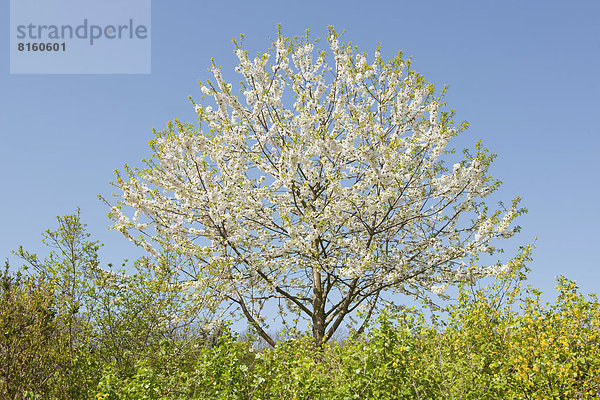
523	74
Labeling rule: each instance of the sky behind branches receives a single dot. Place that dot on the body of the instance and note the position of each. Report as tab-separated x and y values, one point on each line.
523	74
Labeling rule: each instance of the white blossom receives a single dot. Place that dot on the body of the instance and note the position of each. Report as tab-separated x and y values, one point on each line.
326	178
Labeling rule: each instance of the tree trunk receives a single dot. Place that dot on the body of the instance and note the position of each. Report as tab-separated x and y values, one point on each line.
318	318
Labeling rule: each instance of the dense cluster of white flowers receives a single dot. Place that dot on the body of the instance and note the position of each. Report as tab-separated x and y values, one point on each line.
323	185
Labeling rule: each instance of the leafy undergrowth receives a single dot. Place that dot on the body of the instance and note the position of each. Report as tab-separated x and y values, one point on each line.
69	330
486	350
499	342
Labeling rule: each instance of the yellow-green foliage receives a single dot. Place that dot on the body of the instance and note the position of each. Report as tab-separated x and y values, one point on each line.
27	330
499	342
40	354
520	348
556	349
63	336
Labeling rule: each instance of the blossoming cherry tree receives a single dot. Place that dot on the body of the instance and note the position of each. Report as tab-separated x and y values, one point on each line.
321	189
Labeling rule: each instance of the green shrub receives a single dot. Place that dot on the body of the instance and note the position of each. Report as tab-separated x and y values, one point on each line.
487	348
40	356
69	330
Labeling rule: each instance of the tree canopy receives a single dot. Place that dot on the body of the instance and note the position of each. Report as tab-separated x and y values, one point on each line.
322	188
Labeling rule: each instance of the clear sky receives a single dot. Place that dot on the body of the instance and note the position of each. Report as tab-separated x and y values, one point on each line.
524	74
